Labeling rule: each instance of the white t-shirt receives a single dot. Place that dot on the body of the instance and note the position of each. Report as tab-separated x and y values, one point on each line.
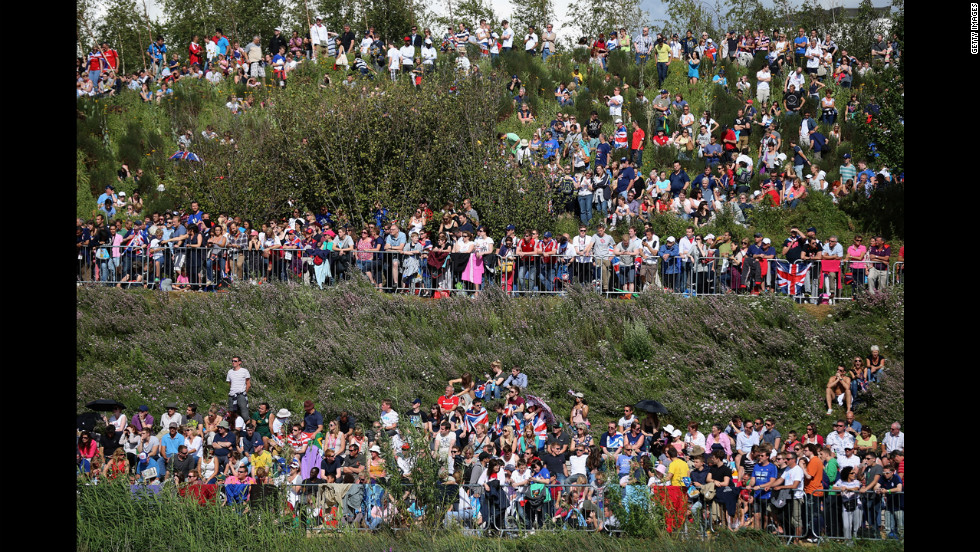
428	55
763	85
649	252
794	476
530	41
813	62
463	63
508	37
195	444
797	80
580	245
578	464
615	104
365	44
844	461
394	57
623	422
484	245
408	55
237	379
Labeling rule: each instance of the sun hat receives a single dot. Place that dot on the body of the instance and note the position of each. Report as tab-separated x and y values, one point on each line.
283	413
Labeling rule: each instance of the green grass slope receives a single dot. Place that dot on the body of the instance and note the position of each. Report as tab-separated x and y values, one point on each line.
346	347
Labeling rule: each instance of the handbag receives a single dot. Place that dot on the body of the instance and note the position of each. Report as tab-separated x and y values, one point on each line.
102	254
708	490
507	266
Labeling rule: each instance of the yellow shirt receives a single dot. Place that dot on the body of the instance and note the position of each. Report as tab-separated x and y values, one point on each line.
678	470
263	460
663	53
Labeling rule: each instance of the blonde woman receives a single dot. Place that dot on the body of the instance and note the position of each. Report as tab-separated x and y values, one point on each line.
334	439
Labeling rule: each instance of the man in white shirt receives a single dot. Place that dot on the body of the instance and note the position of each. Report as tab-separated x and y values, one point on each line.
394	60
764	77
745	440
507	37
318	38
240	383
530	41
429	55
839	439
408	56
627	420
582	246
895	440
615	103
684	245
796	79
849	459
792	479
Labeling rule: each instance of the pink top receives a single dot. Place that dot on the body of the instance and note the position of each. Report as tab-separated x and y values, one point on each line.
364	243
116	241
726	443
857	252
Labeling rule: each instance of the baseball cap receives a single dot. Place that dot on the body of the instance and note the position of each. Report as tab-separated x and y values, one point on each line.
766	240
709	237
547	234
663	91
417	401
510	227
619	120
847	156
671	239
811	229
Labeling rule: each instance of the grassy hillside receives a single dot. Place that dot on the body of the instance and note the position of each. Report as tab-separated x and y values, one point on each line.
348	348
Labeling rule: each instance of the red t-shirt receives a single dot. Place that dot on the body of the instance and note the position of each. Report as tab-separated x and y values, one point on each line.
95	62
730	135
448	403
112	58
638	136
660	139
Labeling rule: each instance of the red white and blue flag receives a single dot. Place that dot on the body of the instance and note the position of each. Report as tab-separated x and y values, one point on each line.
540	429
790	277
185	156
480	417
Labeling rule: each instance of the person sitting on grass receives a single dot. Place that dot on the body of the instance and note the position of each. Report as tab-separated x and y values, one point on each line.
839	384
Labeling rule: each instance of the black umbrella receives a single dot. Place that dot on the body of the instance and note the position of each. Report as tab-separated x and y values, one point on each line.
105	405
651	406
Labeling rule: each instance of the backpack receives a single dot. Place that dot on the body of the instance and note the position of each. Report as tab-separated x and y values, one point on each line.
566	186
537	495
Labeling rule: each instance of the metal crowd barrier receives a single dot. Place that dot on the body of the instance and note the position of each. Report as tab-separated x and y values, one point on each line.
833	515
428	272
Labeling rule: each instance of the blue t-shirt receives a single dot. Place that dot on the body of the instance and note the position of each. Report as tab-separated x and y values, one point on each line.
170	444
699	181
819	141
800	43
223	451
625	176
195	218
755	250
677	181
311	421
797	157
712	149
223	45
249	443
156	52
763	475
550	148
602	154
623	464
396	241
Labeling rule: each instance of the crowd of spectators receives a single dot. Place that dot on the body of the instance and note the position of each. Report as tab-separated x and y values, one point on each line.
594	174
503	454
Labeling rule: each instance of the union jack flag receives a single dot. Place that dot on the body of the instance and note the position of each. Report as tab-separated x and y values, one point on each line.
185	156
540	429
481	391
473	418
790	277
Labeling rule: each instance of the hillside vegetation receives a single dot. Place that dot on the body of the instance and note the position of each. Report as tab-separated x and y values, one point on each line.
346	347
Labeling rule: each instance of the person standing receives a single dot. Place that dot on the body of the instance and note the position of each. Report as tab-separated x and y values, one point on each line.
636	146
547	42
240	383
